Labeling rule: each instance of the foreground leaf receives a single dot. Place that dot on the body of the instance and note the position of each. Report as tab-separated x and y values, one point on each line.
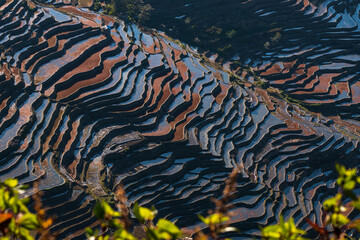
11	183
143	214
164	225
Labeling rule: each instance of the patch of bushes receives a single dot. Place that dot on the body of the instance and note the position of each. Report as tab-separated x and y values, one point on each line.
133	10
17	222
336	223
261	84
29	5
96	6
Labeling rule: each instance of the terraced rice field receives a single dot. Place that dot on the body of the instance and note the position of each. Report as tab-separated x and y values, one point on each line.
88	102
317	58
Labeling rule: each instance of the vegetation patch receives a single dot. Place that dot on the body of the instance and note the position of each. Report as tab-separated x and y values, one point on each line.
17	222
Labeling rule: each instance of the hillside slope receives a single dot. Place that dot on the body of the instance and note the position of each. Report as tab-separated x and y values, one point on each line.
88	103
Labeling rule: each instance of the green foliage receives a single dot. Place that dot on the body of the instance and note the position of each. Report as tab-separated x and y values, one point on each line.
215	218
276	37
104	211
283	231
335	209
168	228
16	221
96	6
225	49
218	224
110	9
231	34
218	221
214	30
338	220
112	219
133	10
332	204
261	84
164	230
267	45
347	178
336	224
144	214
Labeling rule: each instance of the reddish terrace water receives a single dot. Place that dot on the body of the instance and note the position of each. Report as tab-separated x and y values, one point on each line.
316	58
84	109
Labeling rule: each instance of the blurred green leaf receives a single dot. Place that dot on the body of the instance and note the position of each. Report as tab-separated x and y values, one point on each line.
215	218
29	221
164	225
349	185
99	211
89	231
152	234
109	211
283	231
122	234
143	214
333	204
347	177
338	220
12	225
11	183
13	204
340	169
25	234
356	204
